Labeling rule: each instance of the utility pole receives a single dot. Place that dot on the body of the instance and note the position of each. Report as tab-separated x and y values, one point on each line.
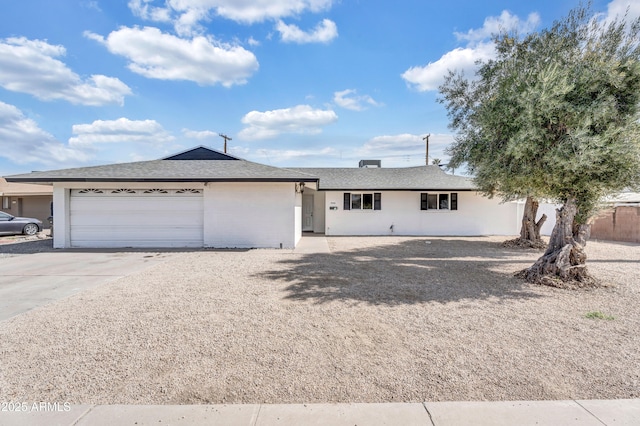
426	138
226	138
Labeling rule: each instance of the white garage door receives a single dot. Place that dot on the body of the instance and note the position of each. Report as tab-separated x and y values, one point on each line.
136	218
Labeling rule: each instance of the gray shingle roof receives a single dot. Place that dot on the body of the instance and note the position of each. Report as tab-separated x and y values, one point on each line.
170	171
188	167
406	178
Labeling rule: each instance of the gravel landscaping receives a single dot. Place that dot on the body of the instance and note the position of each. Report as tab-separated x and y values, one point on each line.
376	320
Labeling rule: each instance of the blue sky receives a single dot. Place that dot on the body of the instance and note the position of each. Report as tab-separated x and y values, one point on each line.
317	83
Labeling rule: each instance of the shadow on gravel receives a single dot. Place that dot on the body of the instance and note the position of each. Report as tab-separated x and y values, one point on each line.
409	272
27	247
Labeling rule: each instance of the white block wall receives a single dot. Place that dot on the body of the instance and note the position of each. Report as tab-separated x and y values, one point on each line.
476	215
251	215
61	236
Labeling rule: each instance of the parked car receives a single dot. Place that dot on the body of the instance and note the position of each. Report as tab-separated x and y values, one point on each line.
11	225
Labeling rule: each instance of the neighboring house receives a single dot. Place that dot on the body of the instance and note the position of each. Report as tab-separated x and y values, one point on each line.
204	198
27	200
620	220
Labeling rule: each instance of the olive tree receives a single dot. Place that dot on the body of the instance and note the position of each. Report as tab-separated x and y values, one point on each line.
553	115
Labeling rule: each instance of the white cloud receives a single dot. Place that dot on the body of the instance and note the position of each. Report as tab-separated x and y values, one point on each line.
199	135
186	14
30	66
121	130
618	8
402	142
299	119
496	24
144	10
261	10
239	151
23	142
286	155
405	148
431	76
349	99
253	42
324	32
203	60
91	4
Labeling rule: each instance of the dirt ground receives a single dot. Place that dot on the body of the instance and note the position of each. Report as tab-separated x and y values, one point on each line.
376	320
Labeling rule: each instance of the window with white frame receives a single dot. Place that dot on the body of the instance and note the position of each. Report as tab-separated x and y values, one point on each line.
6	203
439	201
362	201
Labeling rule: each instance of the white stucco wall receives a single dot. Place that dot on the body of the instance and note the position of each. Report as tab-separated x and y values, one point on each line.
250	215
476	215
242	215
61	237
298	218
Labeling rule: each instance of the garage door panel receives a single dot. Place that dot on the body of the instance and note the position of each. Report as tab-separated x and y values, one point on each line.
136	219
176	204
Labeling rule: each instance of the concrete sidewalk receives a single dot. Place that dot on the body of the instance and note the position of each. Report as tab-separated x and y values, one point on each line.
312	243
540	413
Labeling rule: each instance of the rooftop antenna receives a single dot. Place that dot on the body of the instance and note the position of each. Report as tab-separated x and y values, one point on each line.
226	138
426	138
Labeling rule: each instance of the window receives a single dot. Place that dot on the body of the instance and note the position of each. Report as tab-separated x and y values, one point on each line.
367	201
362	201
439	201
356	201
6	203
443	201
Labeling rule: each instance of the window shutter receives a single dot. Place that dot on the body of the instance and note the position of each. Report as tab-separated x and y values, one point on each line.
454	201
347	201
423	201
377	201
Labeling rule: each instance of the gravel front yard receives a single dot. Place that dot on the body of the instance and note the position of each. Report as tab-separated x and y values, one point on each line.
377	320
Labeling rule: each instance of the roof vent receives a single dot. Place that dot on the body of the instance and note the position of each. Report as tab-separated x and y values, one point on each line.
370	164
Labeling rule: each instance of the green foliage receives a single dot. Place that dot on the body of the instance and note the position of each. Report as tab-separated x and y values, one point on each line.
598	315
554	115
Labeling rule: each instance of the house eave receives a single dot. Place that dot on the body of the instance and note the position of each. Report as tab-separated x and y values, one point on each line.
159	180
400	189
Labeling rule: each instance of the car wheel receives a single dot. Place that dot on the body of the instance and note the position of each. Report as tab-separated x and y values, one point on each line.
30	229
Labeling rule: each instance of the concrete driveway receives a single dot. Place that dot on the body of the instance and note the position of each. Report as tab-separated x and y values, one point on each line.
30	280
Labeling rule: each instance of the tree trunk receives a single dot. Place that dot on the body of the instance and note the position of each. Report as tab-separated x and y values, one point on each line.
530	230
564	262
